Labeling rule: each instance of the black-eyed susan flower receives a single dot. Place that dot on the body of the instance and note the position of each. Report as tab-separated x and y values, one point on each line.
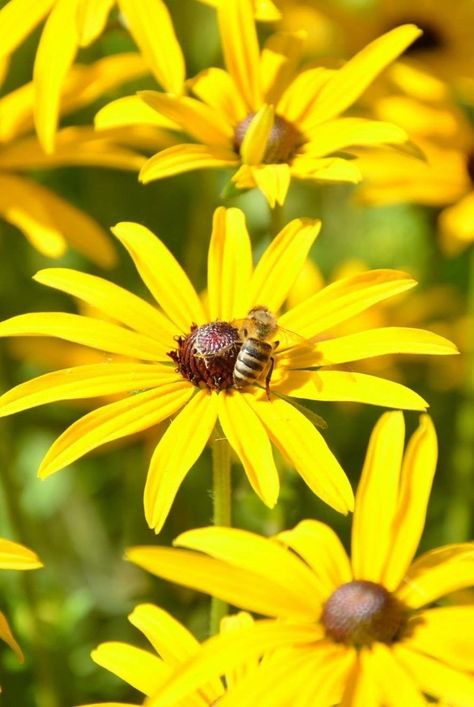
445	46
270	120
173	645
72	24
182	353
446	177
47	220
365	631
14	556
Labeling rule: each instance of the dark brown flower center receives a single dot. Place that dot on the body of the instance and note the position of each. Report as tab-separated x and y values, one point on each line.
470	166
283	141
362	612
207	355
431	39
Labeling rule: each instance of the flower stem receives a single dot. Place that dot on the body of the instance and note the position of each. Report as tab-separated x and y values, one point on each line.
222	505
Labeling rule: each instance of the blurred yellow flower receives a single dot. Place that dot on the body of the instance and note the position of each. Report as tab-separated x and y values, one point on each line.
353	632
445	46
446	177
267	118
48	221
73	24
175	645
203	343
14	556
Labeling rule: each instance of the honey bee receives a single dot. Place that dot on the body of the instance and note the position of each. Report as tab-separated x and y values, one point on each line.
255	355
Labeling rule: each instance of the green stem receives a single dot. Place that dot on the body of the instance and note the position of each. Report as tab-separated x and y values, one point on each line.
459	518
222	504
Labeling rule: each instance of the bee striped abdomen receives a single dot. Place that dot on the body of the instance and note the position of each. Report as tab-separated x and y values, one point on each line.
251	361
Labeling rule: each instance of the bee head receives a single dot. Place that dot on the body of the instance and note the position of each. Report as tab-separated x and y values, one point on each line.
263	321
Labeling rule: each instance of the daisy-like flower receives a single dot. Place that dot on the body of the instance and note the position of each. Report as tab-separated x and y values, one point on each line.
173	646
423	107
182	353
14	556
269	120
48	221
360	632
73	24
445	46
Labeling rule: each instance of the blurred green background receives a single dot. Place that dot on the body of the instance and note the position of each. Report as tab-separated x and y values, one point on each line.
80	520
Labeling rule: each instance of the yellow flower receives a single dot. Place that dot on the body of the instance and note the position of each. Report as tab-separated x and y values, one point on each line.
175	645
203	344
14	556
352	632
72	24
445	46
446	177
270	120
48	221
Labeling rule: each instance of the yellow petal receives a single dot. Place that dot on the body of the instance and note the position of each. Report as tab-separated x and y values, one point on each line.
438	573
173	643
240	48
446	634
380	342
222	653
88	331
282	262
301	443
140	669
131	110
55	54
14	556
297	100
150	25
265	10
119	419
249	440
352	132
112	300
372	526
395	682
344	299
255	142
322	550
273	180
437	679
50	223
162	274
202	122
17	19
257	555
242	588
218	89
457	225
418	469
177	451
350	82
346	386
82	382
328	169
279	62
229	265
185	158
7	636
92	16
360	689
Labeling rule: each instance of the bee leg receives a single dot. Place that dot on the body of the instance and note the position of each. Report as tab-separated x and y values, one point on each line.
268	377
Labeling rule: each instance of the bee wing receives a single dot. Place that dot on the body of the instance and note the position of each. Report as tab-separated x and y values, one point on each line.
289	339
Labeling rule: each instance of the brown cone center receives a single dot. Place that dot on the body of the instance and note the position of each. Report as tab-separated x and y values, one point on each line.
361	612
207	355
283	141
